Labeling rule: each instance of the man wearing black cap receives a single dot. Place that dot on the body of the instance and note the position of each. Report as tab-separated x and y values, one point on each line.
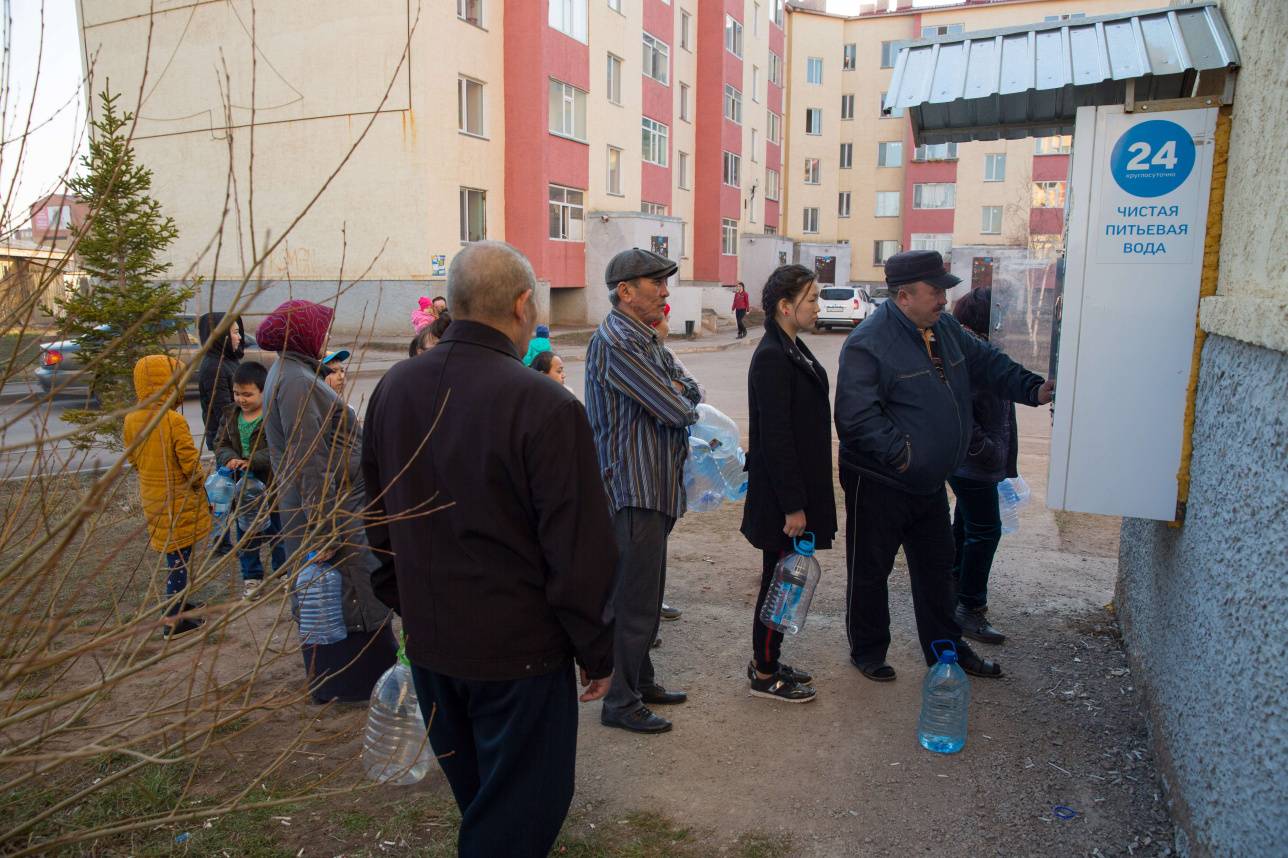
903	415
640	404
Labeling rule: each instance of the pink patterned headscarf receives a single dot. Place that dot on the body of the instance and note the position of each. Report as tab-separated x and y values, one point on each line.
296	326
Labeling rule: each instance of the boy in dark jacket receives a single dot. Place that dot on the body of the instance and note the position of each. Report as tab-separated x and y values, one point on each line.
240	445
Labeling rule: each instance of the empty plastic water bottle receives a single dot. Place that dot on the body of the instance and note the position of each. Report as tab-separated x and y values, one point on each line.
735	478
1022	490
250	494
704	488
395	749
945	699
792	589
220	487
1008	504
319	596
716	430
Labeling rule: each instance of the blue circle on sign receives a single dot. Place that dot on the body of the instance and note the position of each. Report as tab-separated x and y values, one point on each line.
1153	158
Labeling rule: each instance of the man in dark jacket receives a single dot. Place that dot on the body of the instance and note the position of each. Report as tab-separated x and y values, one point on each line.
215	375
491	523
903	416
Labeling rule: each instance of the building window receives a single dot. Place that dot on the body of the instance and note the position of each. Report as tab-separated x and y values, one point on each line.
469	106
847	156
942	30
849	57
614	79
934	195
732	170
755	145
655	209
1048	195
657	59
684	102
991	220
1061	144
775	69
732	104
890	154
473	215
774	128
995	168
655	143
889	50
755	83
847	107
569	18
682	170
614	171
843	204
733	36
895	112
814	70
813	120
771	230
883	250
1069	17
567	214
813	171
778	12
937	241
771	185
887	204
686	24
810	220
471	11
567	110
728	237
937	152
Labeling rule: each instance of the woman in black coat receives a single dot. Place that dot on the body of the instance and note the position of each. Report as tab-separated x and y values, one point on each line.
215	375
789	466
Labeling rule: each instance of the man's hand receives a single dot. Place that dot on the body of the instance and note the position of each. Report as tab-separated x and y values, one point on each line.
794	525
595	688
679	386
1046	392
237	464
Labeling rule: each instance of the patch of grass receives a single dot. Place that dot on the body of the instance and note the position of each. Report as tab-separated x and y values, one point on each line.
637	835
756	845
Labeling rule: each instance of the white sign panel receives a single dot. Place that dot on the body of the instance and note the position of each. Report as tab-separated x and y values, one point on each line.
1138	215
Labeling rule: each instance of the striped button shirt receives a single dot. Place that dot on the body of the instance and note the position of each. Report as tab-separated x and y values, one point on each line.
639	419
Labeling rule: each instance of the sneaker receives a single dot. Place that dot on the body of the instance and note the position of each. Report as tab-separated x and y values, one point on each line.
669	613
779	687
251	589
786	671
642	720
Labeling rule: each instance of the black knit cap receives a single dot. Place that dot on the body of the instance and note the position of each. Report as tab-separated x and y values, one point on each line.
635	263
913	265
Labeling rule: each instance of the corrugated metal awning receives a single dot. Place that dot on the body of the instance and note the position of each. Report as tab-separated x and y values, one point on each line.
1030	81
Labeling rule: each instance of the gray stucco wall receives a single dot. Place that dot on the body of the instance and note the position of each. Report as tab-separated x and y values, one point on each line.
1204	612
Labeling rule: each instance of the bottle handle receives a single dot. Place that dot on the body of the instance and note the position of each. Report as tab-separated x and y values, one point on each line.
809	542
949	645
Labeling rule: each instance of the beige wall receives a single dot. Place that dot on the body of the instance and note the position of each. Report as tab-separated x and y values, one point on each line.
609	124
683	134
812	36
755	53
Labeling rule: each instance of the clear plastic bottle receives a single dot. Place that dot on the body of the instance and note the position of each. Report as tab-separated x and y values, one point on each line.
945	701
716	430
792	589
1022	490
249	493
703	486
733	475
319	597
395	748
219	491
1008	504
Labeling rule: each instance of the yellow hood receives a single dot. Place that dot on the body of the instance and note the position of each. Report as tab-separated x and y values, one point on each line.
152	374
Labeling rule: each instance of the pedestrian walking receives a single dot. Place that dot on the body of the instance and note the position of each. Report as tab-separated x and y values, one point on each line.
640	406
903	417
489	516
990	458
741	304
315	444
215	375
789	464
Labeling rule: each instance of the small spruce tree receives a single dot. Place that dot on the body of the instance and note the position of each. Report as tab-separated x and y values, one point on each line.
126	311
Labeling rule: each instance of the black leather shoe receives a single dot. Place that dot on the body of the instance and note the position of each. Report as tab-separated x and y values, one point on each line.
669	613
640	721
656	695
975	625
976	665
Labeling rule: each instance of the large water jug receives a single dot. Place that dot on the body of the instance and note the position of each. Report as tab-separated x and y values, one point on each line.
733	475
716	430
704	488
792	589
395	749
219	490
250	497
1008	505
319	595
945	699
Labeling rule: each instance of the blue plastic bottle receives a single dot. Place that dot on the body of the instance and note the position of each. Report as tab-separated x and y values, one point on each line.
249	493
945	699
790	593
220	487
319	597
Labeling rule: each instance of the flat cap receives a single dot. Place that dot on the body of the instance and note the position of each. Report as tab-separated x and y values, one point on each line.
634	263
913	265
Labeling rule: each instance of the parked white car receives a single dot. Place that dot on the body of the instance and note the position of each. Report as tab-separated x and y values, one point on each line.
842	307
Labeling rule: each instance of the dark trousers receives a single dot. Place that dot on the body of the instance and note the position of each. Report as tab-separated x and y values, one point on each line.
741	317
509	751
977	528
252	567
878	520
766	643
637	603
176	581
346	671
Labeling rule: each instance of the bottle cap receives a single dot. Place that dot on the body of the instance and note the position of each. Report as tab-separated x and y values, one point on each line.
948	654
804	544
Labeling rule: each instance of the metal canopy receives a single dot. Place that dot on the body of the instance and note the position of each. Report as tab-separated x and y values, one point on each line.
1030	81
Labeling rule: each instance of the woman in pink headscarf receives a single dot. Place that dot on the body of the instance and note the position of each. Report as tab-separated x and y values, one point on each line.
315	445
423	314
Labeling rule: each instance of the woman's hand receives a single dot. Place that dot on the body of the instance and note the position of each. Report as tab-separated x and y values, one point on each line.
794	525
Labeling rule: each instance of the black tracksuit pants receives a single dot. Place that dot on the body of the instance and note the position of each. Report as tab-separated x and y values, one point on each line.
766	643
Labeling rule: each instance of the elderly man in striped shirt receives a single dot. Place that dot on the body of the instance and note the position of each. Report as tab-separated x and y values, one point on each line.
640	404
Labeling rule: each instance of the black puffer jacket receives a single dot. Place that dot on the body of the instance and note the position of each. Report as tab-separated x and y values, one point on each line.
215	376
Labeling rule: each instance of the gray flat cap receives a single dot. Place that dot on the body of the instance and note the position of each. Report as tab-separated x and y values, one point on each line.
633	263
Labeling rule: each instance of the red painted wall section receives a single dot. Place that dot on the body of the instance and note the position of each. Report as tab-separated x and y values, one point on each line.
1046	221
1050	168
922	172
655	183
707	162
658	103
526	97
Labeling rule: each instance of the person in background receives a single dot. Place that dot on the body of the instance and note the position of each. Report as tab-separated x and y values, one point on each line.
423	315
215	375
491	523
170	483
336	372
429	336
540	343
640	408
741	304
990	458
315	446
241	446
789	464
440	306
549	363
